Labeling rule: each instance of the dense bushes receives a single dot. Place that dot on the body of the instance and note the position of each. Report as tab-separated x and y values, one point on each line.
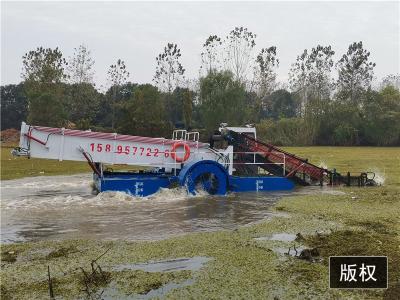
283	132
144	110
376	121
14	106
144	113
372	119
316	108
222	99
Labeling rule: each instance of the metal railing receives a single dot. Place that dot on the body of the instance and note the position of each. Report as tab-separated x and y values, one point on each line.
174	164
254	162
179	134
184	135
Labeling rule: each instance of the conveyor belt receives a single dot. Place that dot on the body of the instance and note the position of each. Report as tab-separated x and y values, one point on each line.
277	161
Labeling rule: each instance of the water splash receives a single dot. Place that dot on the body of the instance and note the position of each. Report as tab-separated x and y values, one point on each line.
48	182
323	165
163	195
33	202
65	192
63	207
380	177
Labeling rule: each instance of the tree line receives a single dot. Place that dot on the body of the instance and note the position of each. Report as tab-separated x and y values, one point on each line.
324	102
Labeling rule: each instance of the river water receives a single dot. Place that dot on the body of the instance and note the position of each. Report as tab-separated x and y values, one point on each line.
64	207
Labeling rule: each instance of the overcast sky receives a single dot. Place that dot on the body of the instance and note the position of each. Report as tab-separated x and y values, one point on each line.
137	31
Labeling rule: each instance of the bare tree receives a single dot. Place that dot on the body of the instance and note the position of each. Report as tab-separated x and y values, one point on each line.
210	57
355	73
321	64
310	78
169	70
80	66
264	71
310	75
117	76
239	45
391	80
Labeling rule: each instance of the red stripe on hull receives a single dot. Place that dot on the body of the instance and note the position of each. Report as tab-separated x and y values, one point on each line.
112	136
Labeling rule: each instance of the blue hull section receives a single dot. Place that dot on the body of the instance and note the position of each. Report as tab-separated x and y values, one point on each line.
260	184
135	184
199	172
145	184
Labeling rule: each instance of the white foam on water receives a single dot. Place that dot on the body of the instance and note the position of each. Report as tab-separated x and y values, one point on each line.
379	176
175	194
43	202
48	182
114	197
47	200
323	165
164	195
45	192
36	211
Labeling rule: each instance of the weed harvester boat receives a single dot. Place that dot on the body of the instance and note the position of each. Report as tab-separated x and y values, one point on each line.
241	163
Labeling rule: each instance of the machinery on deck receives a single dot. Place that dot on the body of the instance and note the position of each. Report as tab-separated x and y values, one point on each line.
277	161
241	163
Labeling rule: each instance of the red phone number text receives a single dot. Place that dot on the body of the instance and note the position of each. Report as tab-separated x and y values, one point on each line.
155	152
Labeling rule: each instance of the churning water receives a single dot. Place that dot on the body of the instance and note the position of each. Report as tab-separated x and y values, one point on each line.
64	207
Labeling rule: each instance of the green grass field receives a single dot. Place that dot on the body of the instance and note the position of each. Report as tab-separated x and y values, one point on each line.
18	167
357	221
384	161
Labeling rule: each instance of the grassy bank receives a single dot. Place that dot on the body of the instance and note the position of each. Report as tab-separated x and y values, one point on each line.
351	221
18	167
353	159
385	161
